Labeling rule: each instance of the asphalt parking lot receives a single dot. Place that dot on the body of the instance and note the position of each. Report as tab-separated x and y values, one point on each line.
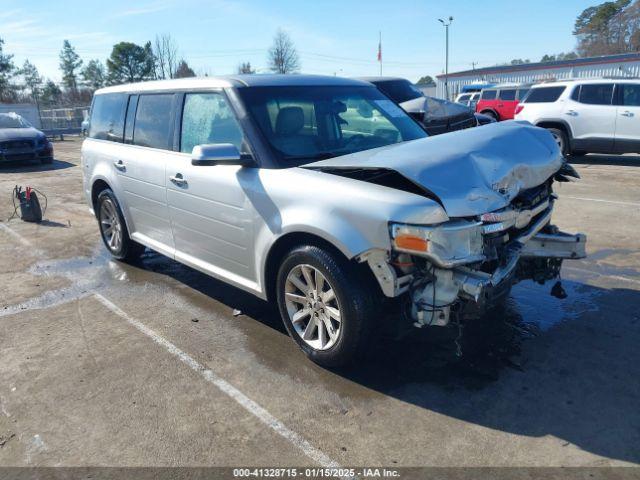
105	363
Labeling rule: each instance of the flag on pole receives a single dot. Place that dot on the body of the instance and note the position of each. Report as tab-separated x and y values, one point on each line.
380	52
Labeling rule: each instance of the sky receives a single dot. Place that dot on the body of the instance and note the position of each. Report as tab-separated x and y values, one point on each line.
331	36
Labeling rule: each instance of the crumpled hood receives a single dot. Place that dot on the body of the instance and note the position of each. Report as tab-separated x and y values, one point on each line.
28	133
472	171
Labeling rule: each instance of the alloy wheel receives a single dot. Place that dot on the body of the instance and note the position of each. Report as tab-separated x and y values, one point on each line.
110	225
559	141
313	307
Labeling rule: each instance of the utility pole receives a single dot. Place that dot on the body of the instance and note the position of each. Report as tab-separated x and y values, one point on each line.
446	62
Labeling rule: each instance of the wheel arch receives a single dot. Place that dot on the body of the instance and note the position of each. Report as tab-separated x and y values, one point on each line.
98	186
556	123
285	243
490	111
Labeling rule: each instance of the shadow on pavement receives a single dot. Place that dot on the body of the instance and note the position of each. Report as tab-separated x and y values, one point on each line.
619	160
537	366
33	166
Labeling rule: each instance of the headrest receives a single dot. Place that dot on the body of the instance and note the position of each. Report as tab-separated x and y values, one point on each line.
290	121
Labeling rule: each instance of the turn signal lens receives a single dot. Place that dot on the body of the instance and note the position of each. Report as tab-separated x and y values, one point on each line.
411	242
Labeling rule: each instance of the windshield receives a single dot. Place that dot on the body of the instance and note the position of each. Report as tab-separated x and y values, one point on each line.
13	120
306	124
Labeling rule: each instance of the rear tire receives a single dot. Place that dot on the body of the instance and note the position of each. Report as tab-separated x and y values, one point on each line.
561	139
113	228
491	114
311	314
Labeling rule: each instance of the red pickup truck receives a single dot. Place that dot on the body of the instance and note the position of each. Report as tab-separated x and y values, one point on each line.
500	102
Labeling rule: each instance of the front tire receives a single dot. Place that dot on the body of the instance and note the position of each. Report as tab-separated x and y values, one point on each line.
326	305
561	139
113	228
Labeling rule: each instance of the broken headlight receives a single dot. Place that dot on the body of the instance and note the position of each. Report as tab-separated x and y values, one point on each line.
447	245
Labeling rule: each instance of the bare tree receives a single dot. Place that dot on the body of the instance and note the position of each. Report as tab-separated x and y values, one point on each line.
245	68
283	57
165	52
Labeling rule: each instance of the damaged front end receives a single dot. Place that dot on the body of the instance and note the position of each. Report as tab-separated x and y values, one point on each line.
470	264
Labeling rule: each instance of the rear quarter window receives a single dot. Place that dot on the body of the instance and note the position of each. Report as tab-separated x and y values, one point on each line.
107	117
544	95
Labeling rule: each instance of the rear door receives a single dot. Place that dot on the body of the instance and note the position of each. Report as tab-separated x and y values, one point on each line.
141	168
591	113
211	216
628	118
507	102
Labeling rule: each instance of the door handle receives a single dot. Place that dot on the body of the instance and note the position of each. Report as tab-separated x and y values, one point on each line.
120	165
178	180
573	113
627	114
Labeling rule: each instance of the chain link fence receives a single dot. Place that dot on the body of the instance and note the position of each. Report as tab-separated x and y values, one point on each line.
60	121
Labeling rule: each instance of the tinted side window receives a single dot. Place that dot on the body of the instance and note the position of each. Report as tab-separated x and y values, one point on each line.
488	95
596	94
153	121
507	95
207	118
107	117
544	94
522	93
629	95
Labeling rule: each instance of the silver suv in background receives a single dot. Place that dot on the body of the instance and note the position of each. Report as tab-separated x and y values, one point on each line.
320	194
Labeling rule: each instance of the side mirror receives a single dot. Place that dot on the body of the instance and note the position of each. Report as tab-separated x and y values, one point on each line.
219	154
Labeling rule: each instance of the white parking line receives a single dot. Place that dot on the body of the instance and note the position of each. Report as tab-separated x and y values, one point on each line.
20	238
631	204
607	275
225	387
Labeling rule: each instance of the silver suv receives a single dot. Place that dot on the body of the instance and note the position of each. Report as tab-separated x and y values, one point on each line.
322	195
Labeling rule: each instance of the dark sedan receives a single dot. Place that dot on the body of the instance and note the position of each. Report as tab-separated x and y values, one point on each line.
435	115
19	141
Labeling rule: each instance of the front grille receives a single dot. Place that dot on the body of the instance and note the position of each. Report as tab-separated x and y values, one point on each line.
505	230
532	197
16	145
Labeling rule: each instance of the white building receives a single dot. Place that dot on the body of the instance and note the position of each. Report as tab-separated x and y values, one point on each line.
625	65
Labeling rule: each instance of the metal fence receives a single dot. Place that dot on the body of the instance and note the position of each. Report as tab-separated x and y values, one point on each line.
59	121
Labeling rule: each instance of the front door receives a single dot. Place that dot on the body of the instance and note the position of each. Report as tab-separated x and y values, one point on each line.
210	213
591	113
628	118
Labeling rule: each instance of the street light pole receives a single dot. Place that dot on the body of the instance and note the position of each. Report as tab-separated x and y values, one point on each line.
446	61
